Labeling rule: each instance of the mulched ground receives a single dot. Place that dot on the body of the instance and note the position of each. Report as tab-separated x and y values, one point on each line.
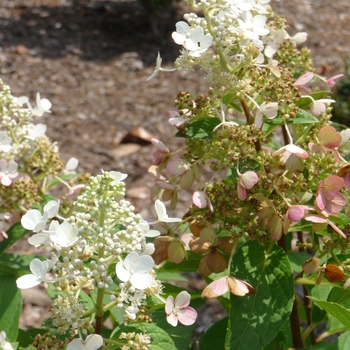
91	59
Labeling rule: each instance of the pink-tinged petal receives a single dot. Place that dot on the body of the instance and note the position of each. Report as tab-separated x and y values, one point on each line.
337	229
275	228
237	286
177	166
311	265
317	108
337	204
172	319
169	306
187	180
177	121
293	163
304	79
210	205
286	224
295	213
6	181
160	145
249	179
199	199
183	299
269	110
315	219
157	157
320	201
298	151
215	288
242	193
187	316
333	182
258	119
165	185
332	81
329	137
347	180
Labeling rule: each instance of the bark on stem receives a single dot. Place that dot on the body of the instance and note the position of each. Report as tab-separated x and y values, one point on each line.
294	316
249	120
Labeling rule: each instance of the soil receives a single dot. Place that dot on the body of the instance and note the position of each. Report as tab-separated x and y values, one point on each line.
91	60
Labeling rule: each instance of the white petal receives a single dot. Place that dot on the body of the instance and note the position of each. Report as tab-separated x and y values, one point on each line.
39	239
37	268
66	235
45	104
182	27
151	233
122	273
52	208
141	281
143	264
75	344
131	260
72	164
118	177
178	38
160	210
28	281
31	218
93	341
149	249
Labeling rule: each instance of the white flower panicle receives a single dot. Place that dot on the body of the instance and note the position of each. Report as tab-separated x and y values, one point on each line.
103	230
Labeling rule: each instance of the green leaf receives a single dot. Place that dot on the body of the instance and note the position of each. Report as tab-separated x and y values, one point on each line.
228	97
258	318
160	338
342	342
336	310
340	296
24	338
10	307
304	101
302	117
171	276
214	337
181	335
201	129
15	264
268	129
297	259
15	232
187	265
64	177
321	293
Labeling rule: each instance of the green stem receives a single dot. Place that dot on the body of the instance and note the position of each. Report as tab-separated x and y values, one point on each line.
100	294
99	311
